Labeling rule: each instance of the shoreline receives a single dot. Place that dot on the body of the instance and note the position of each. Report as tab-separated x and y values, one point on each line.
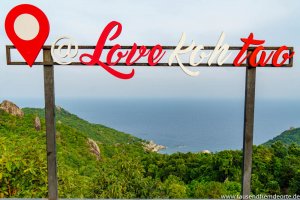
151	146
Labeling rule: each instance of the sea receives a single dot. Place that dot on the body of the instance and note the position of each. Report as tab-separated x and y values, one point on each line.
184	125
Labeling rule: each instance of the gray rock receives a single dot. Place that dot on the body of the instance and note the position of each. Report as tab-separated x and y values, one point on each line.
206	151
94	148
11	108
37	124
152	147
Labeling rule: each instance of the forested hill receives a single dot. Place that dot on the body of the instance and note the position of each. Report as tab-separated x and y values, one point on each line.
287	137
95	161
94	131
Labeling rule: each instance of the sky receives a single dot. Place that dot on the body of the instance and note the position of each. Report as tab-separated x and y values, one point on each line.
160	22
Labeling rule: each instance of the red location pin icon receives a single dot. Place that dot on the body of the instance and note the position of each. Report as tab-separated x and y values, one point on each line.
28	29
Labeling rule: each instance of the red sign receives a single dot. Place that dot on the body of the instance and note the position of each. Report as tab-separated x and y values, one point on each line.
31	39
30	35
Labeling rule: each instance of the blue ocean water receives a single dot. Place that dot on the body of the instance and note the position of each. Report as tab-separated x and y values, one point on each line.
184	125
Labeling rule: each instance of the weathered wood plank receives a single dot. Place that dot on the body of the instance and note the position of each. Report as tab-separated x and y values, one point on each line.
50	126
248	129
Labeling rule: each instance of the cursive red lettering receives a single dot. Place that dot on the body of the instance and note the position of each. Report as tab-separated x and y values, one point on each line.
262	62
285	56
247	42
156	54
142	52
111	53
95	58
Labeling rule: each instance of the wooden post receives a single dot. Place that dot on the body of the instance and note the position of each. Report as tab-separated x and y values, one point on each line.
248	130
50	125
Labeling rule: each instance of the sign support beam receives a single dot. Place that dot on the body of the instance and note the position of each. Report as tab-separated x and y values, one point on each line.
50	126
248	130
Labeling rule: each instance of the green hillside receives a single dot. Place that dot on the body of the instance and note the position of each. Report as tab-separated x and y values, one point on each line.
23	157
95	131
287	137
123	169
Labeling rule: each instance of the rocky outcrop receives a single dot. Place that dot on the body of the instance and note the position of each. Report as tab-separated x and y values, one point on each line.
152	147
11	108
37	123
206	151
58	108
94	148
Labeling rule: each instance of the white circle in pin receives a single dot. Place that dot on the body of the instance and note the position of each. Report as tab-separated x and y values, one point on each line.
26	27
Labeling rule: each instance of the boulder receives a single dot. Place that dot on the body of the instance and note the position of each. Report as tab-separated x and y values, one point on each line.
206	151
37	123
11	108
94	148
152	147
58	108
